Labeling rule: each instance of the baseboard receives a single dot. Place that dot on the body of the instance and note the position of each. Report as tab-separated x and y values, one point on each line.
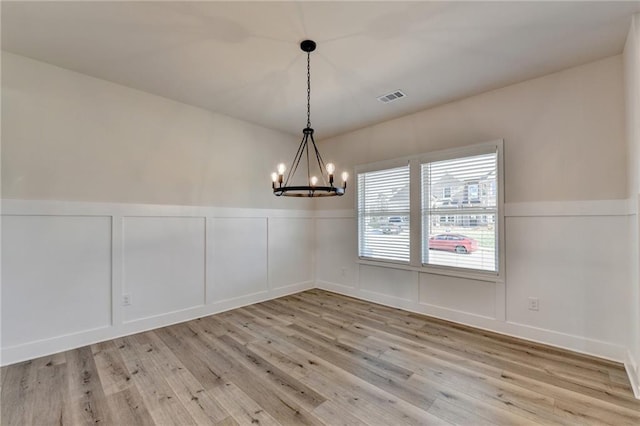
31	350
570	342
329	286
631	366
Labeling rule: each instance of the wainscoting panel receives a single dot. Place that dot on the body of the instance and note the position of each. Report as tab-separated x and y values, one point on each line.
577	268
572	256
238	258
67	265
394	283
290	251
56	276
164	264
458	294
336	251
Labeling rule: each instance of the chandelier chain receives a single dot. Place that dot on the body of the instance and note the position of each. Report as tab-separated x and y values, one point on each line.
308	90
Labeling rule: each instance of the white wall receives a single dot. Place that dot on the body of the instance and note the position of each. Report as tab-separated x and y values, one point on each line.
74	249
631	57
68	136
564	135
632	84
80	157
565	191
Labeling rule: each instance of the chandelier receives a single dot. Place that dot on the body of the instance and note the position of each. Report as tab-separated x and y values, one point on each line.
314	187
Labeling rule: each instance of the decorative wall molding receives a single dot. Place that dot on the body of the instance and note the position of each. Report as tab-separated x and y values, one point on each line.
176	263
82	208
345	279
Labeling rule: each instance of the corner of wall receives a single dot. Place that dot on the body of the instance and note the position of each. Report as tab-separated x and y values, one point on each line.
631	57
631	366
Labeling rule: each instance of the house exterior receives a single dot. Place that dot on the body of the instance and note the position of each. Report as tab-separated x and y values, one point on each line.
456	196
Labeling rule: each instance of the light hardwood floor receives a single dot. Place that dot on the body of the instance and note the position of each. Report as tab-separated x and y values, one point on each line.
317	358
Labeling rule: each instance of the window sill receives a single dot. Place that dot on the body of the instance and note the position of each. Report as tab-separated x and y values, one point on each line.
434	270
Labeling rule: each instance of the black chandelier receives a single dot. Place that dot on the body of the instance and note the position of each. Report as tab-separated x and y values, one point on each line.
280	185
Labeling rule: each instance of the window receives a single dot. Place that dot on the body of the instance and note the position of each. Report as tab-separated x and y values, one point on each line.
383	214
468	238
453	200
473	192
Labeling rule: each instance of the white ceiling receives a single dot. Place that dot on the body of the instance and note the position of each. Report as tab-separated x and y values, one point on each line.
243	58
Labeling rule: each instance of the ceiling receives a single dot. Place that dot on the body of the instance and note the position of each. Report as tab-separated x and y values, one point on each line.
243	59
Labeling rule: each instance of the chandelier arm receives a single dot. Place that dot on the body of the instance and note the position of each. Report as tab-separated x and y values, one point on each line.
321	164
296	159
308	168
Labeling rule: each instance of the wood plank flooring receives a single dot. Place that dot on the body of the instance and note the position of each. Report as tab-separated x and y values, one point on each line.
317	358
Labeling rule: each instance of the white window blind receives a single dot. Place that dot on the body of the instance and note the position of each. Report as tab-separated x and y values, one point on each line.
460	211
383	214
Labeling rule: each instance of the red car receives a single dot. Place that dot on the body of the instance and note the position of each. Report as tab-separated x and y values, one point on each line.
453	242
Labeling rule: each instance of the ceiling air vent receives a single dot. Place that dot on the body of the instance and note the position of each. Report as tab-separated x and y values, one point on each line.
390	97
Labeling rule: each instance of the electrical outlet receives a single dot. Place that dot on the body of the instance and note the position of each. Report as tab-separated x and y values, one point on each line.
126	299
534	304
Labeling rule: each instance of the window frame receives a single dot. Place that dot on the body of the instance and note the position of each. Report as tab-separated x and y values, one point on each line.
415	211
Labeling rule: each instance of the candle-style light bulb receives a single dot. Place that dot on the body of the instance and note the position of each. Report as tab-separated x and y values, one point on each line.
330	169
314	180
281	168
274	177
345	176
